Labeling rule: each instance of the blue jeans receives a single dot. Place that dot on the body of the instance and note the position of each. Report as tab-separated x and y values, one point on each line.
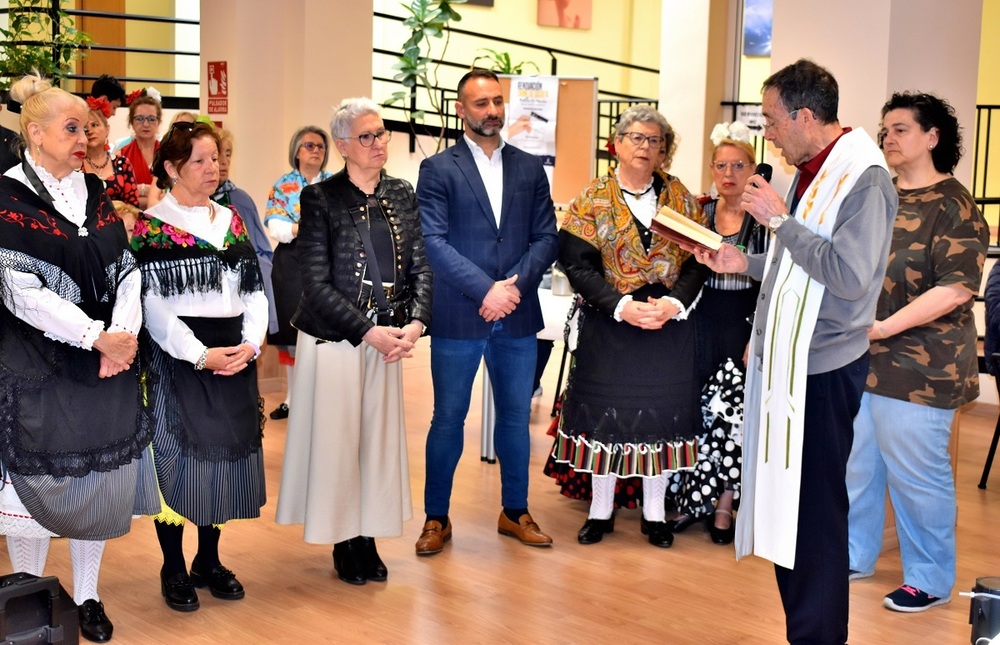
905	446
454	362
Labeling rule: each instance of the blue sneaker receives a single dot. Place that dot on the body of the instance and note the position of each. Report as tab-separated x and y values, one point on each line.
911	600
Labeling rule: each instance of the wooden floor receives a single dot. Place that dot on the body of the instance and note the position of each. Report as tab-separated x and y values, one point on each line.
486	588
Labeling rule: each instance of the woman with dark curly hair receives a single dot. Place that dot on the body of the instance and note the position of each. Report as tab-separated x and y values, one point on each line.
923	357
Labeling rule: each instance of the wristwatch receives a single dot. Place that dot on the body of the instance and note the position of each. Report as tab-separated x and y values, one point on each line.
777	221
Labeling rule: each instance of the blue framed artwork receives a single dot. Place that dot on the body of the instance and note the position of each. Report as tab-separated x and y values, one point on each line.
757	19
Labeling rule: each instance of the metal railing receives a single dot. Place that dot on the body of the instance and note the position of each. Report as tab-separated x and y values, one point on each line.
444	123
169	102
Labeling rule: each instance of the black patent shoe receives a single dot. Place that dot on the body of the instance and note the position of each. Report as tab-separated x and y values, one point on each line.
220	581
178	591
280	412
659	534
681	524
593	530
348	560
723	536
94	623
375	569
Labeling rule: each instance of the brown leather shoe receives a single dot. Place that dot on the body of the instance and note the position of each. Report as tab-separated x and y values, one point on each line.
525	530
433	537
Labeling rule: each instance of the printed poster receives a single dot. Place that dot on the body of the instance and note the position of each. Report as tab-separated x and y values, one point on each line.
531	117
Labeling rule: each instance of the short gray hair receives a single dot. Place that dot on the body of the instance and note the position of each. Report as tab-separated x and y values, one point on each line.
349	110
296	143
649	114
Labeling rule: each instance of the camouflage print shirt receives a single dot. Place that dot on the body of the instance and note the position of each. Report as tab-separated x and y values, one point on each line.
939	239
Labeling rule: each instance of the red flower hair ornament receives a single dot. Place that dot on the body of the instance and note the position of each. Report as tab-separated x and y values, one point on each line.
100	105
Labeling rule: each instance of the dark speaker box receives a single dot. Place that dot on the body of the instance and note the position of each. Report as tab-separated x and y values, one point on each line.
36	610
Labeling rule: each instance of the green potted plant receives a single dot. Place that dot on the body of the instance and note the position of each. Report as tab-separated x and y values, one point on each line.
415	67
39	36
501	62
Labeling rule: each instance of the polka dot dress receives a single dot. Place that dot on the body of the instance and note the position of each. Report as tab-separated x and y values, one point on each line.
720	458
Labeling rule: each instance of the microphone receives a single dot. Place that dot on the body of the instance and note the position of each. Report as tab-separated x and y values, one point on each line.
746	228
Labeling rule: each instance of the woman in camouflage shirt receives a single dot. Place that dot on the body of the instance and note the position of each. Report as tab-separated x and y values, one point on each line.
923	357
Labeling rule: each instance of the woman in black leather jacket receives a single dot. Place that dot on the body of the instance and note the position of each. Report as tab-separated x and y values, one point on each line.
366	301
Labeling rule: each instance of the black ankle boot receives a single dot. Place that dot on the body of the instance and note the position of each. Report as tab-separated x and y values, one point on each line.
374	568
348	560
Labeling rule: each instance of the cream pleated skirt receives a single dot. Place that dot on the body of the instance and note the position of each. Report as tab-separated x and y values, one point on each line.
345	472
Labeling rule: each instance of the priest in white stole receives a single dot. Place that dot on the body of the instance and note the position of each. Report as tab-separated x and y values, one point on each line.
809	350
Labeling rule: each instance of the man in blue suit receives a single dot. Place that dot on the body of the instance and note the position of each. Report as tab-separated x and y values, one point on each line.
489	229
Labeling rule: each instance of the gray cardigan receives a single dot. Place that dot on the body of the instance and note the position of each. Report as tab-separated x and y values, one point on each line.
851	265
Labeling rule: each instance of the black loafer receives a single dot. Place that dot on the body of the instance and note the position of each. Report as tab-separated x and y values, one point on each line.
94	623
375	569
660	535
348	560
178	591
220	581
593	530
280	412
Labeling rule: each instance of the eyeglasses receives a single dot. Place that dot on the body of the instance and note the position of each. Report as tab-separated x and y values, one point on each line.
637	138
769	124
310	146
150	120
735	166
367	140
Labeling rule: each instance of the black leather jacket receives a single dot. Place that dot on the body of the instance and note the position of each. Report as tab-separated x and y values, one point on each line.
333	262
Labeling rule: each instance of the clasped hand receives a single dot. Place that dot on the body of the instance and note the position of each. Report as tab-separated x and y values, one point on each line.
117	350
652	314
502	299
226	361
394	343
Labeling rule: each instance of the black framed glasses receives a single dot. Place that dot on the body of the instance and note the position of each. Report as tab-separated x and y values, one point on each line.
367	140
637	138
150	120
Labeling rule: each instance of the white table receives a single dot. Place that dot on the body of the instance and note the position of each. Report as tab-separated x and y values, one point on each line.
554	312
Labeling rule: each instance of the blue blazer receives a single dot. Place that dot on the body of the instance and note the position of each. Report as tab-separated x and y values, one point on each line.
469	253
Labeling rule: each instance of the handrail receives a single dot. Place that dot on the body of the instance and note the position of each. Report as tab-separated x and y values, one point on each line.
510	41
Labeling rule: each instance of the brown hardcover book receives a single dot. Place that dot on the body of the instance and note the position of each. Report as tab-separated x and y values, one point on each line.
675	227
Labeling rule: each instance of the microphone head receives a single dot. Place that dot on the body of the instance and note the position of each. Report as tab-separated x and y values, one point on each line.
764	170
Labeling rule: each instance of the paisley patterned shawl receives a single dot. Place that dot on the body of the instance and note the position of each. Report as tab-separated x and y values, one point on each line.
600	217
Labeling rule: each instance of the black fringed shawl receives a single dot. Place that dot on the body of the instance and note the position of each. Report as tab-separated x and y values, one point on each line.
57	417
184	263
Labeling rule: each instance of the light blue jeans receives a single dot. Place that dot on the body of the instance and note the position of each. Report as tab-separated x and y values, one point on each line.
903	446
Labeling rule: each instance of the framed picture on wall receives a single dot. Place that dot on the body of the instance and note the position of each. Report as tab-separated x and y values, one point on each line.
757	18
570	14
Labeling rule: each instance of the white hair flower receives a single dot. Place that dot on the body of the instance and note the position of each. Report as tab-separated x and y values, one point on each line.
735	131
153	92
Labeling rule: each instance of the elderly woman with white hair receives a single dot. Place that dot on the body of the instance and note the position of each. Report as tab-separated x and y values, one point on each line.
366	301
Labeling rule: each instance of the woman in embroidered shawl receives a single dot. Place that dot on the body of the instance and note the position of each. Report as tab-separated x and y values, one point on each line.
206	316
630	407
308	152
74	436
